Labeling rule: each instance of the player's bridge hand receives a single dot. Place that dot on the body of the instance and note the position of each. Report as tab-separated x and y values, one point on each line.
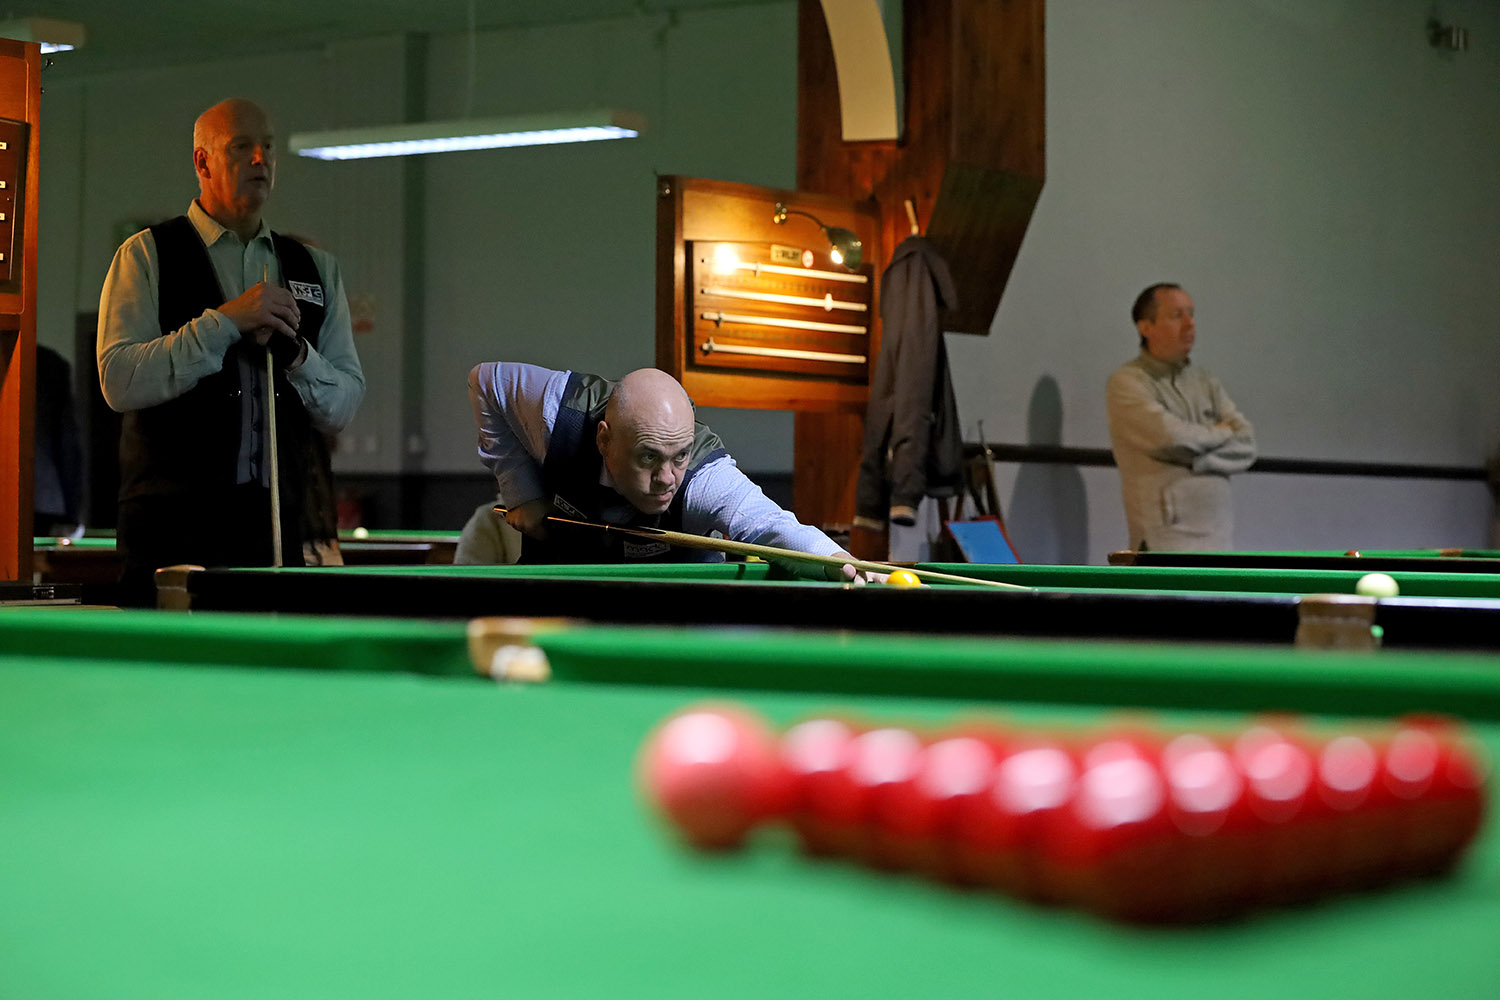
263	309
851	574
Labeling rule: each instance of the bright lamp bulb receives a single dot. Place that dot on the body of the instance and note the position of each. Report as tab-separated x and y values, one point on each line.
726	261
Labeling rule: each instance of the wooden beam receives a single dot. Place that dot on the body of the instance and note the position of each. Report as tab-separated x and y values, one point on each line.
971	158
994	149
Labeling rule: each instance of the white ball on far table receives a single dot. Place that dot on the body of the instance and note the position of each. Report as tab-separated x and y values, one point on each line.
1377	585
361	532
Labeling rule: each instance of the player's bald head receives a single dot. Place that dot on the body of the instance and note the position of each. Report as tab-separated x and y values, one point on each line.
646	438
649	396
224	116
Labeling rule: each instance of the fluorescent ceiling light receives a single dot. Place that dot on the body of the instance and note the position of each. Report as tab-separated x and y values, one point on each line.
55	36
466	133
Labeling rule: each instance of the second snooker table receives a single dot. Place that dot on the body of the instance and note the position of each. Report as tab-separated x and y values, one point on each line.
1239	605
94	560
242	806
1363	560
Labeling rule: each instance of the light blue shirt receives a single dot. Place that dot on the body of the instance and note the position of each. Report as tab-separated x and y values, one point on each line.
139	366
515	406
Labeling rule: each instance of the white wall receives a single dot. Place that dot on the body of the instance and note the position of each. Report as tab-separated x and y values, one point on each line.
1324	183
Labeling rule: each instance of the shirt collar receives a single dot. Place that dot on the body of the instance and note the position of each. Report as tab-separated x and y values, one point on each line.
211	232
1156	366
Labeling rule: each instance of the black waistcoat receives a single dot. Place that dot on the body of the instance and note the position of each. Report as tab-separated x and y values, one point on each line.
570	476
190	444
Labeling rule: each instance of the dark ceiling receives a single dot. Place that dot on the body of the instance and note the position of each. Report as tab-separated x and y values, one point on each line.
121	35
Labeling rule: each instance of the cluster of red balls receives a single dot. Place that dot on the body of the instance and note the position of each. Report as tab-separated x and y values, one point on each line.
1132	822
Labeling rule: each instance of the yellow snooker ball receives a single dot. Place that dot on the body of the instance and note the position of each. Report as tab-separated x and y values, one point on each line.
1377	585
904	578
361	532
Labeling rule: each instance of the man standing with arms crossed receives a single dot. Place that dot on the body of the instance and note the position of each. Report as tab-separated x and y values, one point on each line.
1176	434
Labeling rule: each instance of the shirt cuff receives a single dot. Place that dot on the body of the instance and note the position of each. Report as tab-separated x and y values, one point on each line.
518	488
302	350
218	326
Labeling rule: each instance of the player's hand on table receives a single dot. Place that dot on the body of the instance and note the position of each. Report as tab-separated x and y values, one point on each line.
263	309
849	574
530	518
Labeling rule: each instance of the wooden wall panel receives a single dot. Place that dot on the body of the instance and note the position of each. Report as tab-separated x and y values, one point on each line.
20	96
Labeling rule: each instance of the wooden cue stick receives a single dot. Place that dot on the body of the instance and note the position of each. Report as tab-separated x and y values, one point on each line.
275	461
687	541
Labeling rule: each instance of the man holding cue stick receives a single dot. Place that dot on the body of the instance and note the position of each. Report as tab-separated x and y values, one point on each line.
206	322
629	453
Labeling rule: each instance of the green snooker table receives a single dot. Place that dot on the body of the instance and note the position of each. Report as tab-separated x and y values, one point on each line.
398	546
1364	560
1241	605
239	806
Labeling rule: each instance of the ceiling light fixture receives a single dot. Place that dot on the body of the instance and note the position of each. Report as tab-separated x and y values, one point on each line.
466	134
55	36
844	247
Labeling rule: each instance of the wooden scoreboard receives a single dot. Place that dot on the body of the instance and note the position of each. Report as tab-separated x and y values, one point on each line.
756	313
20	97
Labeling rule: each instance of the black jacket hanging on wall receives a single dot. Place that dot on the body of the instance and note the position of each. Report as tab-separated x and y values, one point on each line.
913	444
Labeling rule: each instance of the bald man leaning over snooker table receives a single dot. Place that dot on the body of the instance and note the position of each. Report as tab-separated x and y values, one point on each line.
628	453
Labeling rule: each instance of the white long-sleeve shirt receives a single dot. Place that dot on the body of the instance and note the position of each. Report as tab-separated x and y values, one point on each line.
515	407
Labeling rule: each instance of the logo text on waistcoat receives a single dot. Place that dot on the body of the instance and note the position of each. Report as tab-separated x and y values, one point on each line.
646	550
566	508
306	292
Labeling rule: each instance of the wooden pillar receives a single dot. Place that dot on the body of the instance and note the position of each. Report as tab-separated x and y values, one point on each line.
971	159
20	93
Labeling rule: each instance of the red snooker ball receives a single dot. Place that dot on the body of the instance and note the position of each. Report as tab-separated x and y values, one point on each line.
1218	853
884	767
1278	767
827	809
1441	822
1108	849
714	773
998	833
921	813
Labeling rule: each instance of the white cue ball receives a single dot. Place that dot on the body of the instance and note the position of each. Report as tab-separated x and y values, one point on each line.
1377	585
361	532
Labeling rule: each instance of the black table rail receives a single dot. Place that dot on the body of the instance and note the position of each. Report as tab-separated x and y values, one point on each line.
1466	623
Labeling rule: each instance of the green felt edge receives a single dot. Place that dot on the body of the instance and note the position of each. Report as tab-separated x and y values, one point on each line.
1228	677
366	644
1127	674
